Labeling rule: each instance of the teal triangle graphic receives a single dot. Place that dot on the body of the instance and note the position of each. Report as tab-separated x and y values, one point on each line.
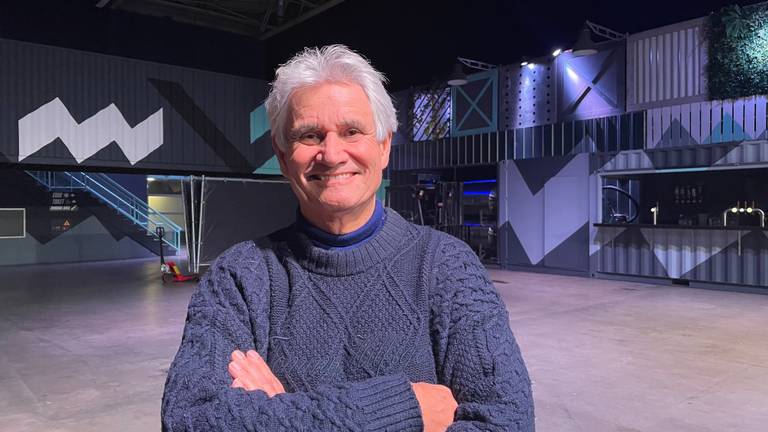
271	167
259	122
726	131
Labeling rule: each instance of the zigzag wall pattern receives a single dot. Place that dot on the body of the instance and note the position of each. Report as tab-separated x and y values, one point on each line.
535	228
53	120
708	122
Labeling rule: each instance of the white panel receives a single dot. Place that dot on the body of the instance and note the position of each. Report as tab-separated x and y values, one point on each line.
647	70
639	75
652	68
738	114
666	64
749	117
675	65
685	123
696	62
691	58
695	129
760	113
706	112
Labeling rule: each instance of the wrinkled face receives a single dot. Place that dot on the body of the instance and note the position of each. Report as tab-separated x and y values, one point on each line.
333	161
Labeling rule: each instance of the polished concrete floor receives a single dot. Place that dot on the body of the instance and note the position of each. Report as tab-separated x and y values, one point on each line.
85	348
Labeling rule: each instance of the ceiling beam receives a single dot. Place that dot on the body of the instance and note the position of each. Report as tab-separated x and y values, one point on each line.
301	18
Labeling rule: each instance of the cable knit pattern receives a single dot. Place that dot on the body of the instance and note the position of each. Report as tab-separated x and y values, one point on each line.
346	332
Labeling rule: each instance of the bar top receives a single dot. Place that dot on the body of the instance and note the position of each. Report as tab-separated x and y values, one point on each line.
683	227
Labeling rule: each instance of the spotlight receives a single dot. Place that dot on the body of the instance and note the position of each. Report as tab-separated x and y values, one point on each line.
524	63
531	65
556	52
457	77
150	179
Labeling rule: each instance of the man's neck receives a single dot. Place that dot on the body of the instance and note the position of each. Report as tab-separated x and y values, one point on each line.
342	223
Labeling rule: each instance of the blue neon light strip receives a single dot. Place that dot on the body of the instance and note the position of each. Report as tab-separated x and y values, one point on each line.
479	181
486	193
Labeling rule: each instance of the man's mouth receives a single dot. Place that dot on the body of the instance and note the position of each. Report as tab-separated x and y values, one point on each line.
326	177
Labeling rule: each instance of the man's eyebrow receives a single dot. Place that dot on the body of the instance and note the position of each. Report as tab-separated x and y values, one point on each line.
353	124
296	132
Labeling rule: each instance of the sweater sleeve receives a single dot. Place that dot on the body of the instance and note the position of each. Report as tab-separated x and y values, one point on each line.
229	311
476	354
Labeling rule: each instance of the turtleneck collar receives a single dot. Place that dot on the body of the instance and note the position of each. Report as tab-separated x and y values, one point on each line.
354	239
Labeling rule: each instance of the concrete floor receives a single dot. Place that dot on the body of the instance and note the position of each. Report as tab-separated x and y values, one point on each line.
85	348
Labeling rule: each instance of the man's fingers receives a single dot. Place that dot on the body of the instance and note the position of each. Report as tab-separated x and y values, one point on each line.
261	366
237	355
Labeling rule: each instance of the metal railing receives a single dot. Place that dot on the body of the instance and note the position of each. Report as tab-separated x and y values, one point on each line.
117	197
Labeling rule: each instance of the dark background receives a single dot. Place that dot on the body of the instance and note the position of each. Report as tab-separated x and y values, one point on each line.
413	42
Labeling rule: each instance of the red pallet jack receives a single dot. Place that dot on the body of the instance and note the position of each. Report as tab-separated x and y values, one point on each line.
169	270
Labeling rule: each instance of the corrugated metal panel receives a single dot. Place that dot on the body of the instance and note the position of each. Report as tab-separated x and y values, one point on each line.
703	255
707	122
116	112
666	66
714	156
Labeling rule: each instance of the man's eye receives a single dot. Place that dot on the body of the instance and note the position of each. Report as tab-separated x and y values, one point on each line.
353	132
309	137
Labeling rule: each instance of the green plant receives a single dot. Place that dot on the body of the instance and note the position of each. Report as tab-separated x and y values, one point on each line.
738	51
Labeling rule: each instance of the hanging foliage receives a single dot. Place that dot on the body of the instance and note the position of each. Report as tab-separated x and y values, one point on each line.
738	52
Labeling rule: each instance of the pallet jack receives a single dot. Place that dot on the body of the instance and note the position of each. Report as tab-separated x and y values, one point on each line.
169	270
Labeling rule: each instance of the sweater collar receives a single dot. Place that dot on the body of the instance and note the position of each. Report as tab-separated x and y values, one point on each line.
393	236
328	241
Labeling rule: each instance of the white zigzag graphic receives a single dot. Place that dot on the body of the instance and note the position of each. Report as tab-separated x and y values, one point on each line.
53	120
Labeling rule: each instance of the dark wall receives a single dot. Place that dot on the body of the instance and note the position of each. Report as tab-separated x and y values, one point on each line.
75	109
78	24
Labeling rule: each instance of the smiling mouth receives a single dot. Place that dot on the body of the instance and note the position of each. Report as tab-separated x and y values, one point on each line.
326	177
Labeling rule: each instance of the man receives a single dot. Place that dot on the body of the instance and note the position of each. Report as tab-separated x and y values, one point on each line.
352	318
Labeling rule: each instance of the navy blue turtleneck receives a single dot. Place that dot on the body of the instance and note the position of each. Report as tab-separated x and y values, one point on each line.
354	239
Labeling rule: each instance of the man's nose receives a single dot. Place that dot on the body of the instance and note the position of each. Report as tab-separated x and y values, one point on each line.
333	151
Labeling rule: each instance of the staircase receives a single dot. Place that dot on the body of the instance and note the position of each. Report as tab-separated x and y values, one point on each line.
116	197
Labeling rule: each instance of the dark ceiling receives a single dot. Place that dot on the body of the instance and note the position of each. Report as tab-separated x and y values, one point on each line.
412	41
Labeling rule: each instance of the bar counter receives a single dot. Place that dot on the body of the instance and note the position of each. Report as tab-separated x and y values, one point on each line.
734	255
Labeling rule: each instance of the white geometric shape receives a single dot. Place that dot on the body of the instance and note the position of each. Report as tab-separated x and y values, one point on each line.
529	225
600	236
678	250
53	120
566	201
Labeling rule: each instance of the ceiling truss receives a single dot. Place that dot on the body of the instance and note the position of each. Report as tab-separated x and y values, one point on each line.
257	18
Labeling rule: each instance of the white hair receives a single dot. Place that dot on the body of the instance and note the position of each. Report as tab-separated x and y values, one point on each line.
332	63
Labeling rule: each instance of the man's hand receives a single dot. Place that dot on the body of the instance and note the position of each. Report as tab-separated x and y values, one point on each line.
251	372
437	406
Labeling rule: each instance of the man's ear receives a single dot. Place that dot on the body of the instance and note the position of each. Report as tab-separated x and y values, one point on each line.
280	156
386	146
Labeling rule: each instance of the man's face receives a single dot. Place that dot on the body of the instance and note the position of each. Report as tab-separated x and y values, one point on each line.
333	160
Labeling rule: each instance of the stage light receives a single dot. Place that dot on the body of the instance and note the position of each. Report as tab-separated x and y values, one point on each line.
556	52
457	77
531	65
524	63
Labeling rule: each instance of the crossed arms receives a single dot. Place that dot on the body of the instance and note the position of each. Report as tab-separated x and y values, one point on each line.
477	359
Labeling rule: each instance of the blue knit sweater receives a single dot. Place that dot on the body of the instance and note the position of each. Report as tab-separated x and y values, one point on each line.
346	332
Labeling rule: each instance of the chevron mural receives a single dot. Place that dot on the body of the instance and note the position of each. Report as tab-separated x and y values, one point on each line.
709	122
544	212
52	120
